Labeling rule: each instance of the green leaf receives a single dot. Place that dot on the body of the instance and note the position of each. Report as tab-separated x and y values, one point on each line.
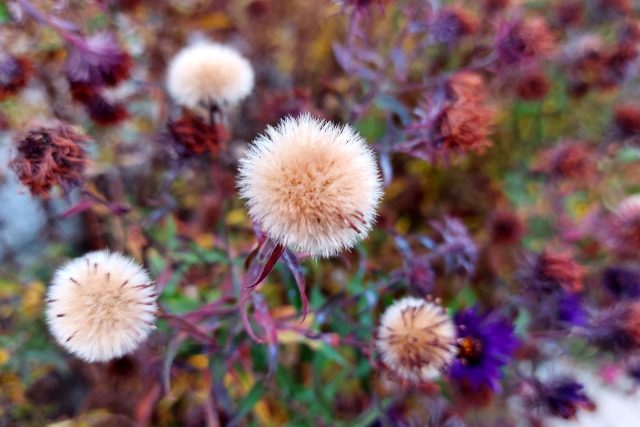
629	154
4	13
371	128
249	401
332	354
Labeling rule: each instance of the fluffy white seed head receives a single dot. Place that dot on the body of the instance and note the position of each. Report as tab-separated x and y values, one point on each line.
101	306
206	74
416	339
311	185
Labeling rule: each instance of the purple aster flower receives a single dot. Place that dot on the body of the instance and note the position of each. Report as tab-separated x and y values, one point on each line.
562	397
621	283
97	61
486	343
569	310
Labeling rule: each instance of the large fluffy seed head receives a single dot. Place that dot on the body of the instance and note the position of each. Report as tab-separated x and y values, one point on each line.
311	185
101	306
416	339
207	74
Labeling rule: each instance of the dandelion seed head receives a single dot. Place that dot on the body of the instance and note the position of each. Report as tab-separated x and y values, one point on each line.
101	306
311	185
206	74
416	339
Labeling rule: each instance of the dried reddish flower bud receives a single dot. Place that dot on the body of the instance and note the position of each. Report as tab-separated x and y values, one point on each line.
617	63
257	8
569	13
82	92
505	228
104	112
617	329
48	156
524	40
585	57
492	6
14	75
464	128
456	119
567	160
578	89
451	24
561	397
551	272
121	5
192	135
101	110
533	86
97	61
626	119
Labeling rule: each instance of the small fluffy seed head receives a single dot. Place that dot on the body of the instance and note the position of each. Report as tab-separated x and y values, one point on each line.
101	306
209	74
416	339
311	185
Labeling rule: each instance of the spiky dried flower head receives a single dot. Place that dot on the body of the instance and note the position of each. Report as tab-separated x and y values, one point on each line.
207	74
14	74
569	12
626	120
561	397
311	185
567	160
101	306
466	124
524	40
456	119
551	272
191	135
505	228
48	155
416	339
533	86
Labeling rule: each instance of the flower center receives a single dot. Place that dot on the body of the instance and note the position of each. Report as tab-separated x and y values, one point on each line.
470	350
